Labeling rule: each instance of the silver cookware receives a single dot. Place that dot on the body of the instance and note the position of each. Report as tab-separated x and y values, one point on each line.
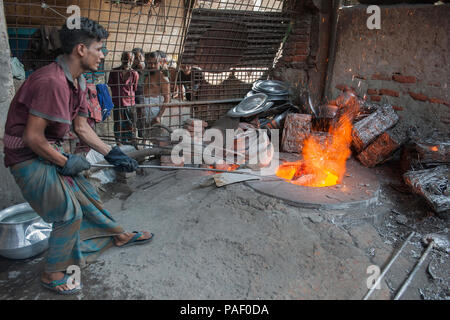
271	87
250	106
23	233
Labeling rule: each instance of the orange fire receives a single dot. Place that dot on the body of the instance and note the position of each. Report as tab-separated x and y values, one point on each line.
323	163
434	148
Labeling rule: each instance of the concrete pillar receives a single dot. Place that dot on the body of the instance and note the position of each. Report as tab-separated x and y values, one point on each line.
6	79
10	193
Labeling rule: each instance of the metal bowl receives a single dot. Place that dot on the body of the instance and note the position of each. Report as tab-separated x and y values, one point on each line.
23	233
250	106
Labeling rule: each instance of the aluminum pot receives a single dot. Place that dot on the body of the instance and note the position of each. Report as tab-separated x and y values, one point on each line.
23	233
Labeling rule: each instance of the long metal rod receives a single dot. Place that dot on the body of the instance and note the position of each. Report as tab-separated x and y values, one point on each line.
369	293
411	275
177	168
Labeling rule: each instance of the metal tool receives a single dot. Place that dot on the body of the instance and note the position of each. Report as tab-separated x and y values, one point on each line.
417	267
95	165
312	107
369	293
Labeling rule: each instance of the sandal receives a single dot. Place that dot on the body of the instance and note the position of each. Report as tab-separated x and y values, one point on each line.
134	240
55	283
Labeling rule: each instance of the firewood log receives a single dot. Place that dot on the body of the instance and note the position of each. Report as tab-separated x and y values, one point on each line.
297	128
425	154
433	185
384	146
369	128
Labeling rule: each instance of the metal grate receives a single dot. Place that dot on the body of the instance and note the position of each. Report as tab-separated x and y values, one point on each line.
229	44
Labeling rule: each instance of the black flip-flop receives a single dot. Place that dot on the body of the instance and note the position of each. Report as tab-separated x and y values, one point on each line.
134	241
55	283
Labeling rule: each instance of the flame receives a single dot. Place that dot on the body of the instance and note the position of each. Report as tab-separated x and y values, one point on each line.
232	167
323	163
434	148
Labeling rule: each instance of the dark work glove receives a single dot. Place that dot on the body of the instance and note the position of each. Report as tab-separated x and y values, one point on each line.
74	165
121	161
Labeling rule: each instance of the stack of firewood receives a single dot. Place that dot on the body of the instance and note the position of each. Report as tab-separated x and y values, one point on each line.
377	136
427	165
432	184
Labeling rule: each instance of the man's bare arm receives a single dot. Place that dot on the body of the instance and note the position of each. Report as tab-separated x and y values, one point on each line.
165	90
147	85
88	135
34	138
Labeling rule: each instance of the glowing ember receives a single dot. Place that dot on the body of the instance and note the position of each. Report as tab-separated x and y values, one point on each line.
233	167
323	163
434	148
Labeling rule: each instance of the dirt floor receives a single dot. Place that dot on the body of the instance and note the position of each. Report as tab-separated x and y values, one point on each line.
233	243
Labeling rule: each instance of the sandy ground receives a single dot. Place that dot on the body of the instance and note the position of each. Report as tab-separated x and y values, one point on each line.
233	243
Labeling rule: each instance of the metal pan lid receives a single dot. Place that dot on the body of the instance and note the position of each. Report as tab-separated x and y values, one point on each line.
272	87
250	106
270	97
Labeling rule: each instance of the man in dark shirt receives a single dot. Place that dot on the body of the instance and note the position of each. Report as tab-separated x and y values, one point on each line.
123	82
51	100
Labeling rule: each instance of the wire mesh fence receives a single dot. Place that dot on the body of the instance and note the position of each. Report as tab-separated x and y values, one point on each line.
189	58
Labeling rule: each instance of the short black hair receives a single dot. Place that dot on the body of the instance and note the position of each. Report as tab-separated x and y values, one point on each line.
152	54
89	31
126	53
161	54
136	50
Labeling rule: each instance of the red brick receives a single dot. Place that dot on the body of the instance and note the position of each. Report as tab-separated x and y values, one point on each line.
299	58
301	44
439	101
378	76
299	37
375	98
387	92
372	91
418	96
434	84
301	51
404	79
341	87
397	108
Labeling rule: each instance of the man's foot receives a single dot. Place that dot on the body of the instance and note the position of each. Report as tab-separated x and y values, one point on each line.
49	277
126	237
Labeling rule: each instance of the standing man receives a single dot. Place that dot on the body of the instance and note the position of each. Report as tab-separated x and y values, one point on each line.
51	100
156	88
123	82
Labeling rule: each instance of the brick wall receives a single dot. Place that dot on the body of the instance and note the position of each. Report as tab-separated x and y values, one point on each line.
406	63
292	63
297	47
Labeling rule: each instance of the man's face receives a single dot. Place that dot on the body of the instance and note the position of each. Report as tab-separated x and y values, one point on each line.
153	64
127	60
92	56
186	69
138	58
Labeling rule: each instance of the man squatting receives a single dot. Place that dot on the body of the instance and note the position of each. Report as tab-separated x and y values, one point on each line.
51	100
